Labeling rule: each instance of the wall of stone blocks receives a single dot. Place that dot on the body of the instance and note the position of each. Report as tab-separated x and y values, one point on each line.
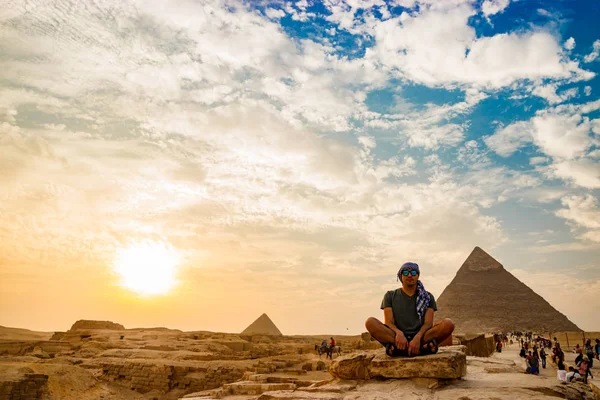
28	387
144	377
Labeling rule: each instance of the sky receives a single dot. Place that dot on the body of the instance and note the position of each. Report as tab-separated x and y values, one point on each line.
195	163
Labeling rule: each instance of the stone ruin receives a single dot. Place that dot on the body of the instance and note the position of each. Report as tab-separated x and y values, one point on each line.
89	324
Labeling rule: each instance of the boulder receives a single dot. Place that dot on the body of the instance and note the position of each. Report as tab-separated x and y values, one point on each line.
449	363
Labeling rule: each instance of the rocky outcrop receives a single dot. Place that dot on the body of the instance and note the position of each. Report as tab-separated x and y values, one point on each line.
90	324
478	345
145	376
449	363
25	387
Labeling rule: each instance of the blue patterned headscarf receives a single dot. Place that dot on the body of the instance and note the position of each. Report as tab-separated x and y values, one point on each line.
423	298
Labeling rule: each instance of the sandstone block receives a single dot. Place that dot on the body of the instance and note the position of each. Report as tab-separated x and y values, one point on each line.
299	395
449	363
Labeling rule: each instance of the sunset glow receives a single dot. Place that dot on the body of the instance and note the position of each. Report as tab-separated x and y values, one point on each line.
147	268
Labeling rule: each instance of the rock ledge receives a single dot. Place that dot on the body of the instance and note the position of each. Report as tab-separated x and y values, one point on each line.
449	363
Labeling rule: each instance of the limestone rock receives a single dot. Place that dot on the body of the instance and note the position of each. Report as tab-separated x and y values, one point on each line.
299	395
354	366
336	386
254	388
449	363
89	324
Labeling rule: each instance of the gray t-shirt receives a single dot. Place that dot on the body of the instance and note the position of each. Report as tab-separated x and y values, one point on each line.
404	308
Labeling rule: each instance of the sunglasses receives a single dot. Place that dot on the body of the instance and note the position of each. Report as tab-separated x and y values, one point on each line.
412	272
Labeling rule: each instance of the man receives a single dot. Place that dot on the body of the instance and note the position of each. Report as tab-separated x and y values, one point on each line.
332	343
408	327
543	357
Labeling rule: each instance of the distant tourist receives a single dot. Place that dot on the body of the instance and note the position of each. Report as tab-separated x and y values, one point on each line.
584	369
499	346
543	357
561	373
572	374
408	312
523	352
579	357
332	343
535	364
589	351
576	349
597	347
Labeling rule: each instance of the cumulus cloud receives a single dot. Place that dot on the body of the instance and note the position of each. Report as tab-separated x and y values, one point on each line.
562	136
570	44
594	53
491	7
582	212
548	92
451	53
274	13
507	140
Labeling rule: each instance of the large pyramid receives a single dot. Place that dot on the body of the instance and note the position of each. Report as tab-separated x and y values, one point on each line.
262	326
484	297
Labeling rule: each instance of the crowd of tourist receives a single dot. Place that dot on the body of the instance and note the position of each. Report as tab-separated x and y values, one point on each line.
533	350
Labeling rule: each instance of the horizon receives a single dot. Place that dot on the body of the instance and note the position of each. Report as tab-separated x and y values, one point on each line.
194	162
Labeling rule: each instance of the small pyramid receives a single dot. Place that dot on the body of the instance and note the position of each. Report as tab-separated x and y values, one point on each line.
262	326
484	297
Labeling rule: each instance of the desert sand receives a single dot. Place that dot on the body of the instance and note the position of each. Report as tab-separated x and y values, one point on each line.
99	360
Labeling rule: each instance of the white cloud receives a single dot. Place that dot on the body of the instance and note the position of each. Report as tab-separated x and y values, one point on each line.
274	13
582	172
570	44
538	160
505	141
548	92
562	136
587	90
491	7
429	47
594	54
582	212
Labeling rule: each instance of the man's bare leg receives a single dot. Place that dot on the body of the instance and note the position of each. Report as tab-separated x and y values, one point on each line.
380	331
441	331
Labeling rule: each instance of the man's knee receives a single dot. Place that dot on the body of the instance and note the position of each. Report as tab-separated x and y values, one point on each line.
370	323
447	325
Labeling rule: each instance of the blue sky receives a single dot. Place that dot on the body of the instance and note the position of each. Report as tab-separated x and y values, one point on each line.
287	157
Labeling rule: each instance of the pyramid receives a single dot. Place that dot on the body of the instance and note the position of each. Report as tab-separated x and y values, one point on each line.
262	326
484	297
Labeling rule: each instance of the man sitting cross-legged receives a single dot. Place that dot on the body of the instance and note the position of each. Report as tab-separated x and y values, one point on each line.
408	315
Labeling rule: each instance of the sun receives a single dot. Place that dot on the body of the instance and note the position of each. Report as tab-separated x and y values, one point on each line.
147	268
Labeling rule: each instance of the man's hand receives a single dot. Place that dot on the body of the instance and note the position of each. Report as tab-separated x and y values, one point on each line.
414	347
401	342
